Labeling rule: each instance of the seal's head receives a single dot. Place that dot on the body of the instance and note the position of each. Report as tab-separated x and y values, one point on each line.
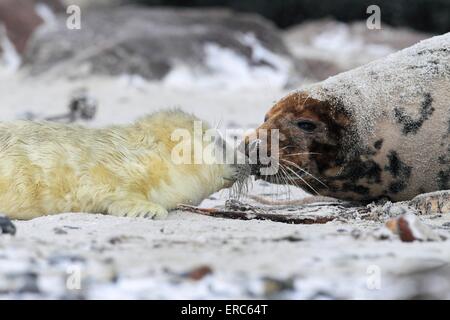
312	143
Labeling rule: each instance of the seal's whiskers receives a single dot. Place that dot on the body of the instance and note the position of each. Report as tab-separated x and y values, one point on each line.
297	175
299	153
306	172
285	177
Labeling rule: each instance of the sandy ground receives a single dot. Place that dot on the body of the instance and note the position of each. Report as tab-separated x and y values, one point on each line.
136	258
76	255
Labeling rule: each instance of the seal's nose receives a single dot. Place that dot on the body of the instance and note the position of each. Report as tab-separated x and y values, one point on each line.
251	152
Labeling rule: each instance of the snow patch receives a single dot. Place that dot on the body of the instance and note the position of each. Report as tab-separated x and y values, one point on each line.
46	13
9	57
227	69
134	81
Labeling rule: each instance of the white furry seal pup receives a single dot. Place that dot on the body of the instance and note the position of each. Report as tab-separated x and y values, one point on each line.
378	131
48	168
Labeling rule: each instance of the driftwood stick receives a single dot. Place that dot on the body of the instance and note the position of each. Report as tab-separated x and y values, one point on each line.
241	215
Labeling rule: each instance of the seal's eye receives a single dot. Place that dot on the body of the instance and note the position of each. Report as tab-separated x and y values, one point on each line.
307	126
266	118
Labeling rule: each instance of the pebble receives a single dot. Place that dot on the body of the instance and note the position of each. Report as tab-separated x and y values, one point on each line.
6	226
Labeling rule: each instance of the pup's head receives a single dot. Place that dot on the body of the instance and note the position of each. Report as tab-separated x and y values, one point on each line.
310	134
198	149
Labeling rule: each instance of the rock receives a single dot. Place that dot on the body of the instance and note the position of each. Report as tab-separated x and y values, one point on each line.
432	203
317	69
199	273
20	282
328	47
156	41
273	288
57	230
356	234
22	17
410	228
20	20
387	210
6	226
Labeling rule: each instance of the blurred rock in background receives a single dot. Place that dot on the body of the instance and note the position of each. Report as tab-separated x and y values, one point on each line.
174	45
18	20
212	48
22	17
424	15
327	47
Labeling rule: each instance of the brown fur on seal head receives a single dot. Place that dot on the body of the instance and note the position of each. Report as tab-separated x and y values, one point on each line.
314	136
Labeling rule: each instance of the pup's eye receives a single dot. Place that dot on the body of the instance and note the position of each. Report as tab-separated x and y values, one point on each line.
307	126
266	118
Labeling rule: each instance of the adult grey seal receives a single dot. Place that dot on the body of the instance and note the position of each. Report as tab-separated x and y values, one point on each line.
378	131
